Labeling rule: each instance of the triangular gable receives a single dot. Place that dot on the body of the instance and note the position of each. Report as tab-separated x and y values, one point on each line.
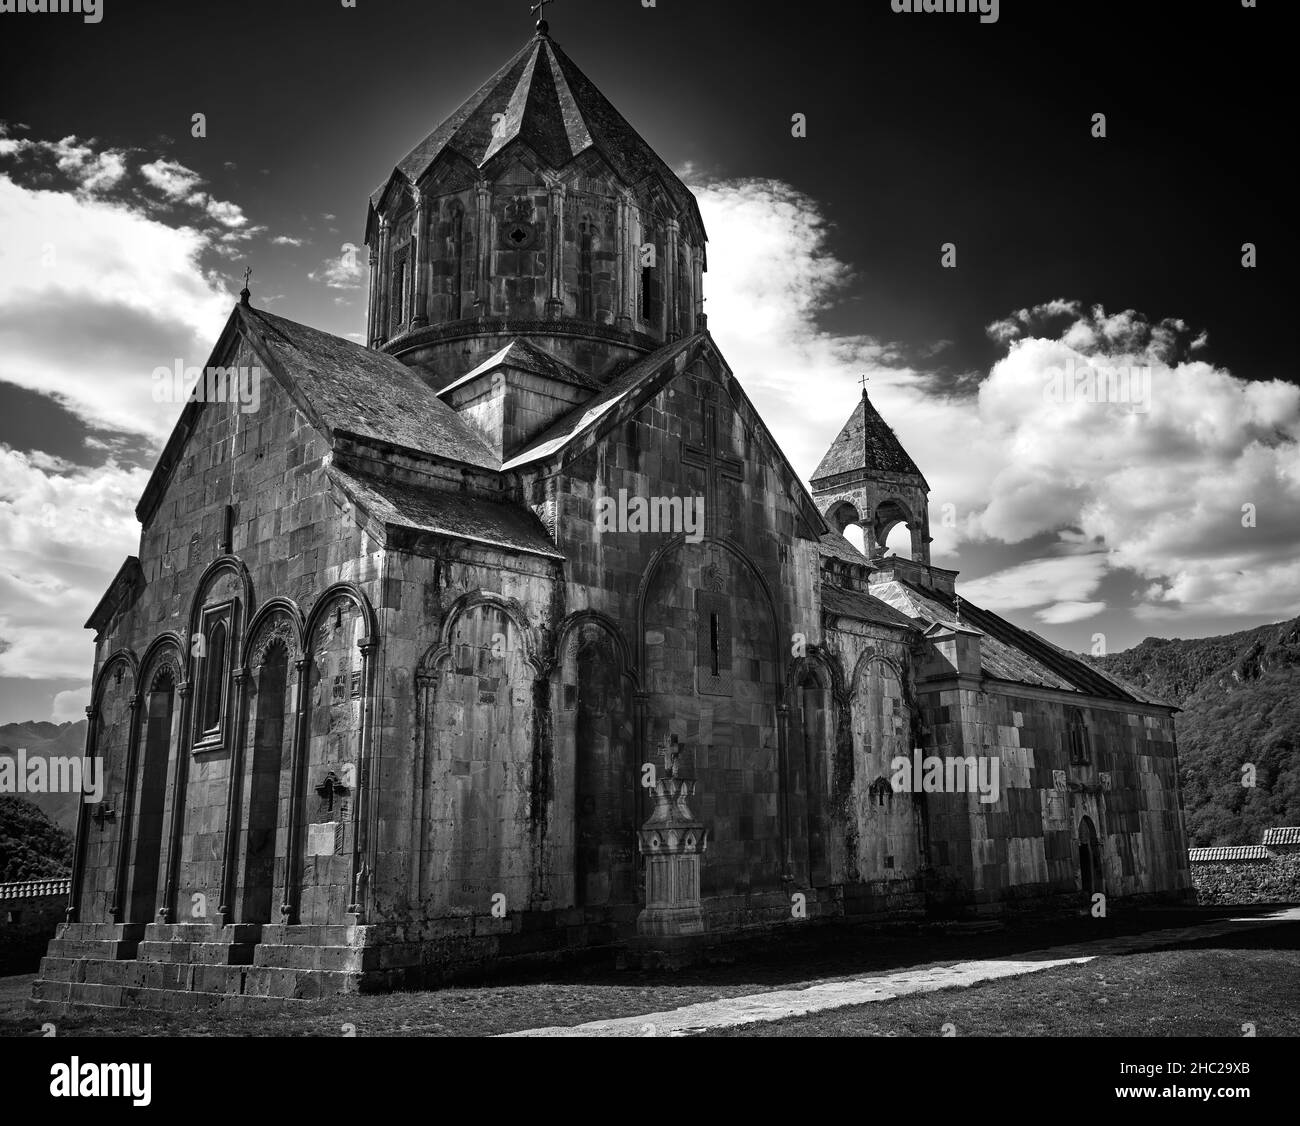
340	387
128	580
624	397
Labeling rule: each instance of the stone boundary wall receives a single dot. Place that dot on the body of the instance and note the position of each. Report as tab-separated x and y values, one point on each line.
30	912
1273	879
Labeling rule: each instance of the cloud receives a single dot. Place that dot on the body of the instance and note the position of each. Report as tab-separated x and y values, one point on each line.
287	240
71	704
173	179
1062	613
343	272
1153	494
88	171
63	534
93	296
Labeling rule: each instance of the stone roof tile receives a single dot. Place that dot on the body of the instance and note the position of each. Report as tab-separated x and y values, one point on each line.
546	102
867	443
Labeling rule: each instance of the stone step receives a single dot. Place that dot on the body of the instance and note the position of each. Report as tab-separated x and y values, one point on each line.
344	958
141	984
234	933
296	934
300	984
61	997
206	953
101	932
69	948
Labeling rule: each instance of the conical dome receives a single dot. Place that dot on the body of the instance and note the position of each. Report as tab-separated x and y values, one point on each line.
537	210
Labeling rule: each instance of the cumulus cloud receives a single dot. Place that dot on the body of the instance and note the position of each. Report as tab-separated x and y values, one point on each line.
1154	491
71	704
93	296
173	179
343	272
64	531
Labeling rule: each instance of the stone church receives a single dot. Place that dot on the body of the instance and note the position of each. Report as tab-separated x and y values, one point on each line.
381	698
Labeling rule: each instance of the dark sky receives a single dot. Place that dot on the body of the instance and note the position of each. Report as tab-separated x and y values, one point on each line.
922	129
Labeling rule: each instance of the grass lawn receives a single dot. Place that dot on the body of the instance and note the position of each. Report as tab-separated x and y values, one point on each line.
1186	991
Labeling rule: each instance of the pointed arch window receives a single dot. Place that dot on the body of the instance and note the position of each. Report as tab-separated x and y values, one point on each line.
1077	739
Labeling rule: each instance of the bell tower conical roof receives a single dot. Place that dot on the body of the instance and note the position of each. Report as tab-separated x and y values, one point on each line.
867	443
869	481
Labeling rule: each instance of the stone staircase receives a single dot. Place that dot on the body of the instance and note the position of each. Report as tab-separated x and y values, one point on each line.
202	966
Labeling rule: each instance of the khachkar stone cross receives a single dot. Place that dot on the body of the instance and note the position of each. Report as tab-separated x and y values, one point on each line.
714	462
673	841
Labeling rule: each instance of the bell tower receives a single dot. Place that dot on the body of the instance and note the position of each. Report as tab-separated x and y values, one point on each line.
868	480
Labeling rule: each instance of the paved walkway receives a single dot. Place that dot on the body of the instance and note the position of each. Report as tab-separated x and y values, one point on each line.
729	1012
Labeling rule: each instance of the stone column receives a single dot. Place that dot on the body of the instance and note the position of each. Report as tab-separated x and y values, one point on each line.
79	845
234	786
128	804
385	279
420	232
623	293
364	806
669	273
372	310
483	295
555	249
297	768
783	774
167	911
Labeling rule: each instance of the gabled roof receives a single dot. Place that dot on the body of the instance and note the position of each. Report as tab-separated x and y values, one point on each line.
1282	835
671	359
551	106
357	390
128	578
503	525
622	397
867	443
836	546
863	607
1008	652
523	355
341	387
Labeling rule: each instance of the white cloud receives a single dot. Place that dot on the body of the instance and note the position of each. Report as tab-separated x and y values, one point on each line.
1062	613
343	272
63	535
71	705
1157	494
287	240
173	179
93	296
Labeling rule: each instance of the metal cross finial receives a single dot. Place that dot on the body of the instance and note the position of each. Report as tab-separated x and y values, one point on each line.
864	381
538	8
244	293
248	273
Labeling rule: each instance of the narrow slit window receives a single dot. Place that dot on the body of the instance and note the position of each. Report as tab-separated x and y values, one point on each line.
713	641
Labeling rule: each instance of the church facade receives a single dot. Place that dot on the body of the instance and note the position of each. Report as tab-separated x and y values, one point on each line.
377	697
